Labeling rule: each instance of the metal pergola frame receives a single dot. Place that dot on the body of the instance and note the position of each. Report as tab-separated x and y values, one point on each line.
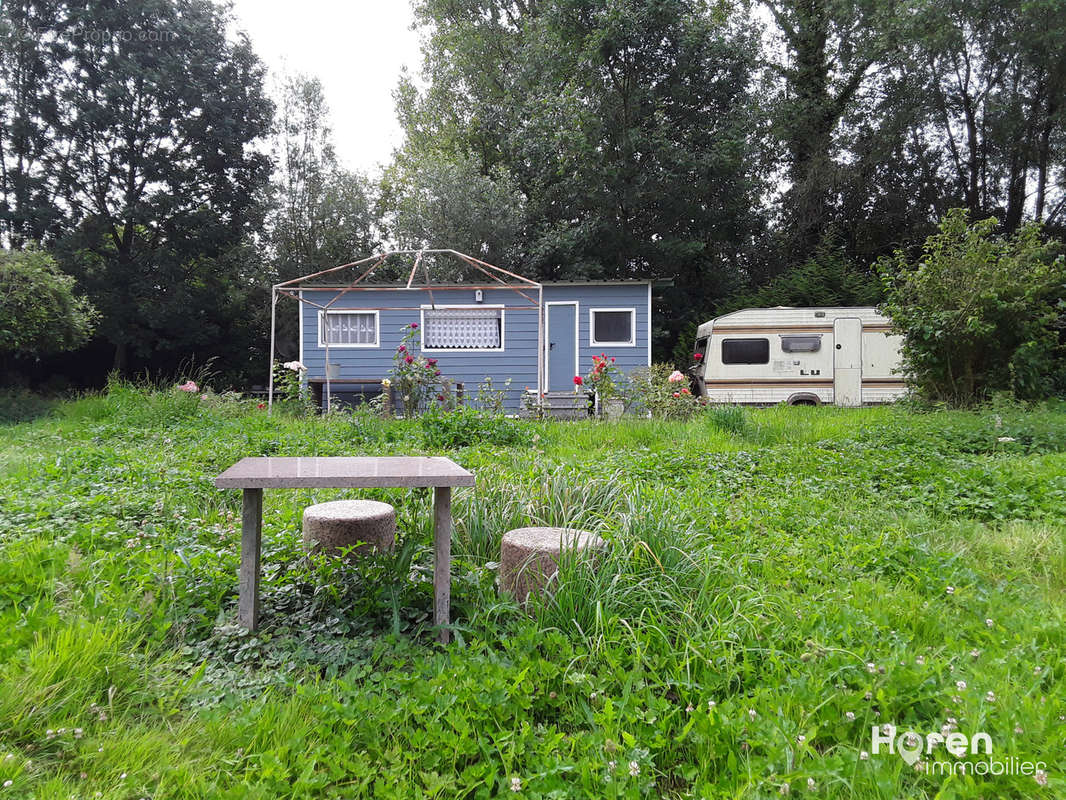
293	288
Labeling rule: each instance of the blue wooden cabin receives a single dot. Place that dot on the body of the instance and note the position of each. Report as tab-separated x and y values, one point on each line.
475	332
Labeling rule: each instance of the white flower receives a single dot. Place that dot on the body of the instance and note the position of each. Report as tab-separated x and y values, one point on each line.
801	739
634	768
295	366
122	777
690	708
1005	439
710	705
849	716
7	783
811	785
752	713
1039	776
960	685
950	590
611	765
990	697
1036	670
989	622
1019	729
785	789
920	660
864	756
516	784
975	653
871	667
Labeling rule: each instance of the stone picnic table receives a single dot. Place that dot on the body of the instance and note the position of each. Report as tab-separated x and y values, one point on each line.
253	475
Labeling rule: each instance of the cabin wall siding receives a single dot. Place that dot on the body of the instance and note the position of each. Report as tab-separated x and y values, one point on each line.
518	360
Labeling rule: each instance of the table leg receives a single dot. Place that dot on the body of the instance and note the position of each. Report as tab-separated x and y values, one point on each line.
251	534
442	563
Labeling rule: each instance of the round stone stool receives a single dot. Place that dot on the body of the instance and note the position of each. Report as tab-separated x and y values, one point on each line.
362	524
529	557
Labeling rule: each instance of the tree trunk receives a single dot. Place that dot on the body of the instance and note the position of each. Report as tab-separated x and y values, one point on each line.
121	352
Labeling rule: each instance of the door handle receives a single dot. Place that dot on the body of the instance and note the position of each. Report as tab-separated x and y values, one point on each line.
551	345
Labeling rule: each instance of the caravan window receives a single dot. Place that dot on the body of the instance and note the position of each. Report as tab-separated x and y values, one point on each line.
801	344
745	351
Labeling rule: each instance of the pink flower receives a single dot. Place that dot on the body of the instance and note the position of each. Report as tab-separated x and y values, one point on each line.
261	405
685	391
414	326
189	386
440	397
431	361
698	356
203	397
408	359
578	380
677	394
436	373
401	349
676	377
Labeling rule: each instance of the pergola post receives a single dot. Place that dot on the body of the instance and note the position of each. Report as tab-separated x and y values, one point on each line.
270	371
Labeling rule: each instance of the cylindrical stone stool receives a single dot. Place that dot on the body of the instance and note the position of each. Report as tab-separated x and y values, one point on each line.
359	524
529	557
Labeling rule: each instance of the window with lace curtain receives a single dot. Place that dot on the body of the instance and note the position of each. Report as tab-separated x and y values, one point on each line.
348	328
462	328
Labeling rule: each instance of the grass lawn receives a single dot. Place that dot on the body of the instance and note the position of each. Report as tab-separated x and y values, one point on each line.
778	581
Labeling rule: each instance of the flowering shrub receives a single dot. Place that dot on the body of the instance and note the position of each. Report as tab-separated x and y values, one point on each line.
417	379
288	386
664	392
605	379
491	398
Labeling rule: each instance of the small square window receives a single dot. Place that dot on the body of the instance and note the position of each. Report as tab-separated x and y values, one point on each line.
612	326
348	328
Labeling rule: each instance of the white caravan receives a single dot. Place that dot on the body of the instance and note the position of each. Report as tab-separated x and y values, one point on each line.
799	356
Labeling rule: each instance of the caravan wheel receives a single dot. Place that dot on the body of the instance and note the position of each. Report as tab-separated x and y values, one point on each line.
804	399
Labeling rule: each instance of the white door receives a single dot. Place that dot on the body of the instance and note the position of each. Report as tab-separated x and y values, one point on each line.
847	362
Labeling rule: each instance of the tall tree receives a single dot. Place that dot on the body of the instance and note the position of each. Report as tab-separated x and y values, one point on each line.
628	127
159	107
831	49
30	52
321	214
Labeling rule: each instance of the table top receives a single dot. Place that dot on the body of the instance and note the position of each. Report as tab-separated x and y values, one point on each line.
343	473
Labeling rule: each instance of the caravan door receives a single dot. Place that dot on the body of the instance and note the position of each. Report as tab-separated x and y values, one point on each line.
847	361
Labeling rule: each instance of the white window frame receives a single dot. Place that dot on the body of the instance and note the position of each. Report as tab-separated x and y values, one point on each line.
439	307
333	345
632	328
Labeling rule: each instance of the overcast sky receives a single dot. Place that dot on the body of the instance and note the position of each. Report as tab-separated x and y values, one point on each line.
355	48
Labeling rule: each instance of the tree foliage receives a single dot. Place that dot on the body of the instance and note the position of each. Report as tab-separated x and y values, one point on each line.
981	312
40	312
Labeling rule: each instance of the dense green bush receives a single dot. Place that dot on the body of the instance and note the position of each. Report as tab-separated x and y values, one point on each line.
980	312
39	310
464	426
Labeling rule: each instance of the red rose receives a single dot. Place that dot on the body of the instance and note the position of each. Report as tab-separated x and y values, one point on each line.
698	356
676	394
401	349
578	380
261	405
414	326
431	361
408	359
612	359
440	397
685	391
